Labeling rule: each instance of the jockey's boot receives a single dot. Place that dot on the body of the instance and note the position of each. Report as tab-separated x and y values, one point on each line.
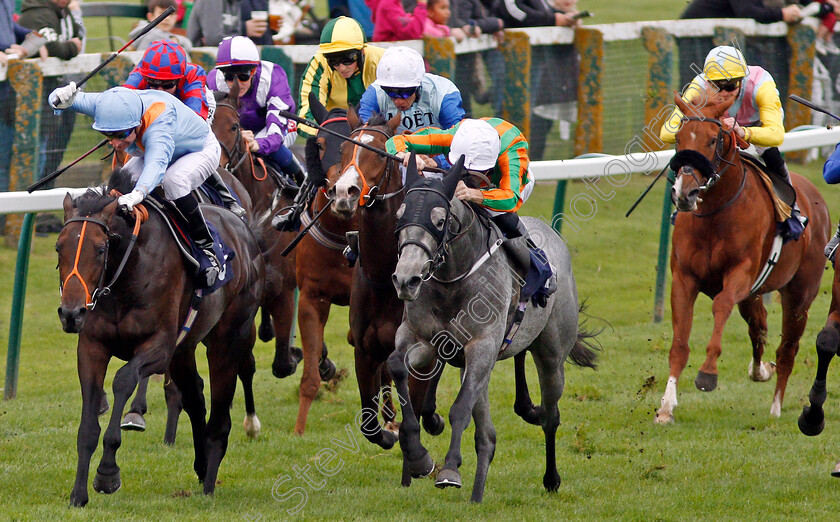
201	236
215	180
831	247
525	256
773	159
295	170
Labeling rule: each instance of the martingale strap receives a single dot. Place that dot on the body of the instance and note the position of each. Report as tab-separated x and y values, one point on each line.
191	315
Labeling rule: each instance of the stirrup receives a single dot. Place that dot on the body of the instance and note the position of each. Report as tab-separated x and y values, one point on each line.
831	247
237	209
211	273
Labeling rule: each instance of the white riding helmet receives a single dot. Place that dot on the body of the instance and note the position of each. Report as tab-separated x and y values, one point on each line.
400	67
478	142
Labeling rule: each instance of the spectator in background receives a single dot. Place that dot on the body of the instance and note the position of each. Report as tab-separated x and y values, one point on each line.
825	11
211	21
554	71
15	41
391	23
438	14
341	70
472	18
163	31
60	22
754	9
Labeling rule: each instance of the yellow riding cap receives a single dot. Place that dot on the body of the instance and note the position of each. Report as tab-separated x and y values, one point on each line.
725	63
341	34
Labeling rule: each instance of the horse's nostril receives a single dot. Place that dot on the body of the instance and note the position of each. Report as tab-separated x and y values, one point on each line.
331	192
354	192
414	282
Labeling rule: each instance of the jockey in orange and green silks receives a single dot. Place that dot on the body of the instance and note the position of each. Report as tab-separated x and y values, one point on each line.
496	149
489	144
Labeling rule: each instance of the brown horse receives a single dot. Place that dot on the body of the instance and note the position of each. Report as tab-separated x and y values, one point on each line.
138	317
723	237
267	195
323	275
371	185
812	419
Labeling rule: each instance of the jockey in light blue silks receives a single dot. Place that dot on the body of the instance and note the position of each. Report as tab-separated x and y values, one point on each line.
169	144
263	91
402	84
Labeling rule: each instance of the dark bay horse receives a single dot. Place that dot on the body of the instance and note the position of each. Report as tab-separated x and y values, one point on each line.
461	295
278	306
370	185
323	274
138	317
812	419
723	236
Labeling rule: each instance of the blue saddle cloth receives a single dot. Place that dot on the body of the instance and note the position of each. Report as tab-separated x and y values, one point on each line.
538	274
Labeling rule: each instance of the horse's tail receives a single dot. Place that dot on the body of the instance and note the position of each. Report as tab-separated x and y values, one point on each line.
584	352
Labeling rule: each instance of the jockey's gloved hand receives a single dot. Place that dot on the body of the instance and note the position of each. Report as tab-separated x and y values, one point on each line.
128	201
62	98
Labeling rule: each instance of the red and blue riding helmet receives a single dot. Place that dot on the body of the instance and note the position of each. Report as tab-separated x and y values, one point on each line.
164	60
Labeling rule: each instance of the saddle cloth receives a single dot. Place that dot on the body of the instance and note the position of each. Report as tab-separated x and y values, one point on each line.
781	192
195	258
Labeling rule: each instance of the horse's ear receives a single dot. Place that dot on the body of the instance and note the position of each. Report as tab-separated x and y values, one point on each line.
109	211
681	104
319	112
353	117
69	208
451	180
394	122
411	175
233	96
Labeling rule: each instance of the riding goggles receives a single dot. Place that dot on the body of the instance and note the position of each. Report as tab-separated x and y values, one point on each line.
343	59
241	76
402	93
117	135
727	85
161	84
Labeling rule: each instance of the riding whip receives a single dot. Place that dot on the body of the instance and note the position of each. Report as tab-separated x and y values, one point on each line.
152	24
46	179
309	123
646	191
291	246
812	105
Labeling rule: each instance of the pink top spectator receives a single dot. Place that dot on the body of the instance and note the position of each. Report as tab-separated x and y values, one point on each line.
435	30
391	23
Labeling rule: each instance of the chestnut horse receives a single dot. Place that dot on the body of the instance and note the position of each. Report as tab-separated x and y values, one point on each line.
138	317
278	306
323	274
723	236
371	185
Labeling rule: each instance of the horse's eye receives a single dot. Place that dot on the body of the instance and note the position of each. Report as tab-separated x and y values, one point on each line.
439	224
713	141
100	252
57	248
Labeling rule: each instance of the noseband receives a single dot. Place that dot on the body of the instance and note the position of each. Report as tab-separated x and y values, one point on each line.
710	169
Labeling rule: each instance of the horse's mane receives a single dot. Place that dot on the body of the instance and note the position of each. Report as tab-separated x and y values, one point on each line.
219	96
93	201
377	120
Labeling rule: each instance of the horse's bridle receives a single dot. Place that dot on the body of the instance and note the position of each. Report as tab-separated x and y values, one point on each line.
237	147
718	159
369	194
140	215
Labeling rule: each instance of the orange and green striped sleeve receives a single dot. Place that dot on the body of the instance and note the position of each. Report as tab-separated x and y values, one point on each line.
511	171
430	141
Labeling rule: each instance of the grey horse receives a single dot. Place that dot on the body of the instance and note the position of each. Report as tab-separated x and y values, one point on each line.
461	295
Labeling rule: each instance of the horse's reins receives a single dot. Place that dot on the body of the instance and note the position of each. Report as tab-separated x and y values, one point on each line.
716	175
140	216
237	149
369	194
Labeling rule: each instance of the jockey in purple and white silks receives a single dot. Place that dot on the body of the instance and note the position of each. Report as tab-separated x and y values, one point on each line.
169	144
263	91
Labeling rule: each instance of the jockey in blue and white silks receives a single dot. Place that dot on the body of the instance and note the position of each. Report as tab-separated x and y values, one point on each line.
263	92
169	144
402	84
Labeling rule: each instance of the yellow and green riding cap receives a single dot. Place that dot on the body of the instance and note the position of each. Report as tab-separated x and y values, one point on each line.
341	34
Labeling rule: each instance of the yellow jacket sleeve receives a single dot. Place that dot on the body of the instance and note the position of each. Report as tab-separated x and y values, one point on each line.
771	133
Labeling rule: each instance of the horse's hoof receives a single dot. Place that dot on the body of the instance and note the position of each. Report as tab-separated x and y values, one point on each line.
422	467
252	425
706	381
133	422
812	421
529	413
448	478
387	439
836	471
103	405
435	425
764	373
551	482
79	499
107	484
664	417
282	370
326	368
265	331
